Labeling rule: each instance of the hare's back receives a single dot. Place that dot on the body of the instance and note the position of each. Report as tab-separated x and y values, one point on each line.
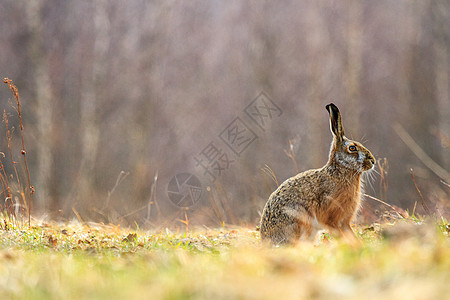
304	186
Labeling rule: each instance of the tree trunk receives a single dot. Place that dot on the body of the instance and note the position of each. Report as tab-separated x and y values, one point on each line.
44	103
89	102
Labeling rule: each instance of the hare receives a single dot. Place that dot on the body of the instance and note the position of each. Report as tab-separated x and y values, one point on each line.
329	196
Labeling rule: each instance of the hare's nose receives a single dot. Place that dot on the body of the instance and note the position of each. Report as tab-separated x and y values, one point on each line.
371	158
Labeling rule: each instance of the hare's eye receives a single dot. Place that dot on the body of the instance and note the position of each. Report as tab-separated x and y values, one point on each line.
352	148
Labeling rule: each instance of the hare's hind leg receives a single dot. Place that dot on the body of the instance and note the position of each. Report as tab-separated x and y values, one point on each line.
288	231
314	228
281	233
342	229
292	231
346	232
306	226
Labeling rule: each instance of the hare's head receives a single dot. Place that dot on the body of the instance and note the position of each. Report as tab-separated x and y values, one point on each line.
348	153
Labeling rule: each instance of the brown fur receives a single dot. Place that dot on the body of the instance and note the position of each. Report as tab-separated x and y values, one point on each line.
329	196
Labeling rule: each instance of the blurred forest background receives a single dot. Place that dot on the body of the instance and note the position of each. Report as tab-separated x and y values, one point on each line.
120	96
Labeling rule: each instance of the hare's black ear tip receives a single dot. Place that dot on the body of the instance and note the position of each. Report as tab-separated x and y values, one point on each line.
330	106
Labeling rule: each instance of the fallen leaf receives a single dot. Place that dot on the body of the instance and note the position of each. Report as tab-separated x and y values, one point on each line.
130	238
52	241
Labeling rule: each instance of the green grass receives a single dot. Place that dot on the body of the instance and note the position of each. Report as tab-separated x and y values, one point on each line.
73	261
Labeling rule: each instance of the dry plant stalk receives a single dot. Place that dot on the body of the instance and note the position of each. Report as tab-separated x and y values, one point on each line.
268	171
186	221
384	168
424	205
31	189
420	153
291	155
13	162
214	205
4	178
152	199
387	204
5	187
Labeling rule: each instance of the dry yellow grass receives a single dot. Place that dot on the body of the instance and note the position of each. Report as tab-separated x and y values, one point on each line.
72	261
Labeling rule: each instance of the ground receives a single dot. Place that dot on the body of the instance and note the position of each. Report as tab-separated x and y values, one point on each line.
401	260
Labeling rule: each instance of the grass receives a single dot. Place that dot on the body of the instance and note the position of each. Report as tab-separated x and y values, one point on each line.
73	261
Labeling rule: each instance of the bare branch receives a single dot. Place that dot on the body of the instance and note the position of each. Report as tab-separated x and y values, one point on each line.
418	151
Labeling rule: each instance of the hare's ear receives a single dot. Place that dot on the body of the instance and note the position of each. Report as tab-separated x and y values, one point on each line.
335	121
